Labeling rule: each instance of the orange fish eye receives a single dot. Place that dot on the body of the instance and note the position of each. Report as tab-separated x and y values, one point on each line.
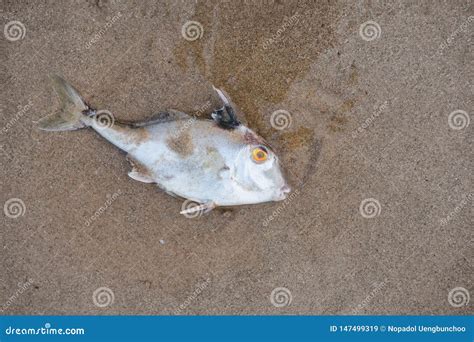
259	155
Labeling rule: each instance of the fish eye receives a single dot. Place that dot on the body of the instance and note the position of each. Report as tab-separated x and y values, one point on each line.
259	154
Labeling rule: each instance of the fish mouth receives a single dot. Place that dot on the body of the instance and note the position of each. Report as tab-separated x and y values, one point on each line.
282	193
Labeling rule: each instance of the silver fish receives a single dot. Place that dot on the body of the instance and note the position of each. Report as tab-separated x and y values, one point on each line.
217	162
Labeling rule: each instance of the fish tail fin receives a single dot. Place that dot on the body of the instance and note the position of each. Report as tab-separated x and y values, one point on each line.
71	116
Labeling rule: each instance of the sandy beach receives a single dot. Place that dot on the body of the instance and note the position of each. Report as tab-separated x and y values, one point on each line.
369	106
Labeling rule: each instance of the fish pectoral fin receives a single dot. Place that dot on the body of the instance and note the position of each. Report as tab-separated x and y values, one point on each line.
202	208
140	172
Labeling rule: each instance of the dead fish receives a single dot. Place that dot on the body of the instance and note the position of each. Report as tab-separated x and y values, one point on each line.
217	162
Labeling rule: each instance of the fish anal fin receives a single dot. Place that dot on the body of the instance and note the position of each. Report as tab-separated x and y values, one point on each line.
141	177
140	172
202	208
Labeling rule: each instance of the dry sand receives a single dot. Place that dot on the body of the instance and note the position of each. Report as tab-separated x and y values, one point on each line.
369	120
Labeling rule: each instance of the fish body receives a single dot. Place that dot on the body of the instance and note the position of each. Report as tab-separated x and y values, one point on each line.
217	162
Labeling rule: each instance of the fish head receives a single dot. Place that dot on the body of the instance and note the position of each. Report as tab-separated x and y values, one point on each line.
257	168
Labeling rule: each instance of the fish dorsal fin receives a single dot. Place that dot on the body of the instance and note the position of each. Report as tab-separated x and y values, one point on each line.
139	172
229	122
177	115
161	117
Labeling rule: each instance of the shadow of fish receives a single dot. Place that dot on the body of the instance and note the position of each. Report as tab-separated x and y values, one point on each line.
217	162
